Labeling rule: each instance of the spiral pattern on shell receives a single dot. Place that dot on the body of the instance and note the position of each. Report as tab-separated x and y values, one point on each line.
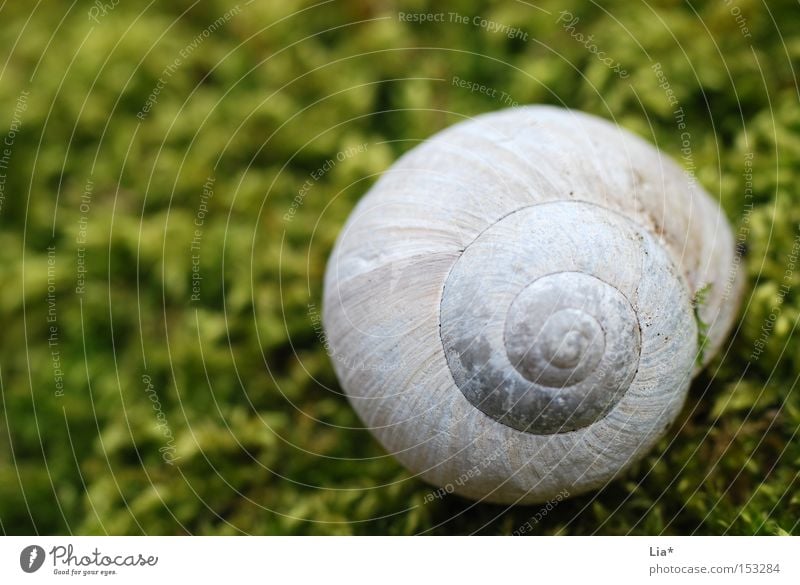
514	298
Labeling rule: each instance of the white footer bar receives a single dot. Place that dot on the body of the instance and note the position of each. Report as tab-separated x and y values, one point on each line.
387	560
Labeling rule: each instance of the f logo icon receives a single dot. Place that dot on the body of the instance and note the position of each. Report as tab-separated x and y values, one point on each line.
31	558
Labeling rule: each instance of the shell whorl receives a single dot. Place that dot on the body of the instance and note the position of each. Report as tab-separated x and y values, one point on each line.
548	342
515	296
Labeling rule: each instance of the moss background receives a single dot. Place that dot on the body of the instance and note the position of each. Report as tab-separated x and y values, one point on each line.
249	433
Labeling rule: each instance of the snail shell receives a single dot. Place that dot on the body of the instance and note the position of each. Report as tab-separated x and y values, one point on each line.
511	308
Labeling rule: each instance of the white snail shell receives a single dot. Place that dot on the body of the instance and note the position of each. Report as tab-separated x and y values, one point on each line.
510	308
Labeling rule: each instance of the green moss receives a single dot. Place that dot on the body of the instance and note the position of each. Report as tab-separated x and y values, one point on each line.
699	299
263	439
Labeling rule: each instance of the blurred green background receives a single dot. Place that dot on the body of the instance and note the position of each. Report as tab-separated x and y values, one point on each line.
130	406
